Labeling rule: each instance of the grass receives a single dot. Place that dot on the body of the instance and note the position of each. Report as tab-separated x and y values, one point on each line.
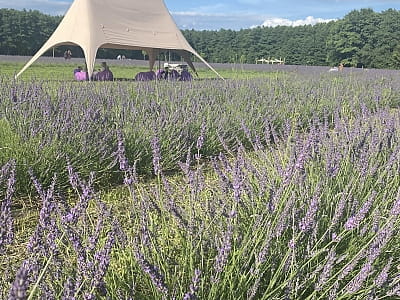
64	71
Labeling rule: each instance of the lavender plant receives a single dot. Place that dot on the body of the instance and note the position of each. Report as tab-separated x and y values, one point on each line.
299	201
7	175
42	122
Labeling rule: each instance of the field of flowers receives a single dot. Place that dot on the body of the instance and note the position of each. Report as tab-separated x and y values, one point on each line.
285	186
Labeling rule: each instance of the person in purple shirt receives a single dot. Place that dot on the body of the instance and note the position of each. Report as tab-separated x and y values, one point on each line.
145	76
173	75
105	74
78	69
185	76
80	74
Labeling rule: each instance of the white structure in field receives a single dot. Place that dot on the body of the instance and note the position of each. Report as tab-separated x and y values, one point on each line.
176	67
271	61
119	24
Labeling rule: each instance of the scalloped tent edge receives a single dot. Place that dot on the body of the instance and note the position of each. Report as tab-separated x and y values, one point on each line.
119	24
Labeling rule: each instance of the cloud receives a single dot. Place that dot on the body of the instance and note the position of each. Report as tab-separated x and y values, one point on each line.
310	20
214	21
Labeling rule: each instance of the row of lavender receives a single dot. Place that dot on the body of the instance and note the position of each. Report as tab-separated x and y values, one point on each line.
310	213
44	123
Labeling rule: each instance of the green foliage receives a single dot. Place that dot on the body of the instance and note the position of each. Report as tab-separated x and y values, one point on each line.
365	39
24	32
361	39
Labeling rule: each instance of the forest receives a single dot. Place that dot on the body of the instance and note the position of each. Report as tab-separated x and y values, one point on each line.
362	38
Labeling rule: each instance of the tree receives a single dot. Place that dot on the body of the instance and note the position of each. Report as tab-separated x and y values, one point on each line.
362	38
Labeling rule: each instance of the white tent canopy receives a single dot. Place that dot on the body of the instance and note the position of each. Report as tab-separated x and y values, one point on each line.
119	24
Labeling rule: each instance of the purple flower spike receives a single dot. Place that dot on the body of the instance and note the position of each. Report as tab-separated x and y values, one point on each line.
156	277
238	179
123	161
69	290
339	211
395	211
326	273
20	286
307	223
355	221
102	259
224	250
155	146
382	277
200	140
191	295
356	283
292	244
6	220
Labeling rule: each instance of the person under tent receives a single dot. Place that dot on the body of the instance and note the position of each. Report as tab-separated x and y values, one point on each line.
81	74
174	72
173	75
104	74
185	76
145	76
78	69
161	74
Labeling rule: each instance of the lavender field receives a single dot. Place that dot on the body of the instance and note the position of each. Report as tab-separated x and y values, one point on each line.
285	186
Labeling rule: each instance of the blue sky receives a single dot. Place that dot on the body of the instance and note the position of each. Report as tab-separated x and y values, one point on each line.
236	14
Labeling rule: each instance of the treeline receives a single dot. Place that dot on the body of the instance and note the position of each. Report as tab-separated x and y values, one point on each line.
24	33
363	38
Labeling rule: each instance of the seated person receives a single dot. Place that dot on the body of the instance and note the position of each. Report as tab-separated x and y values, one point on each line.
145	76
161	74
173	75
81	75
94	74
78	69
104	74
185	76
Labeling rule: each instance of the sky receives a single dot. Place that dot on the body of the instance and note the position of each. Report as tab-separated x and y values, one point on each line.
235	14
